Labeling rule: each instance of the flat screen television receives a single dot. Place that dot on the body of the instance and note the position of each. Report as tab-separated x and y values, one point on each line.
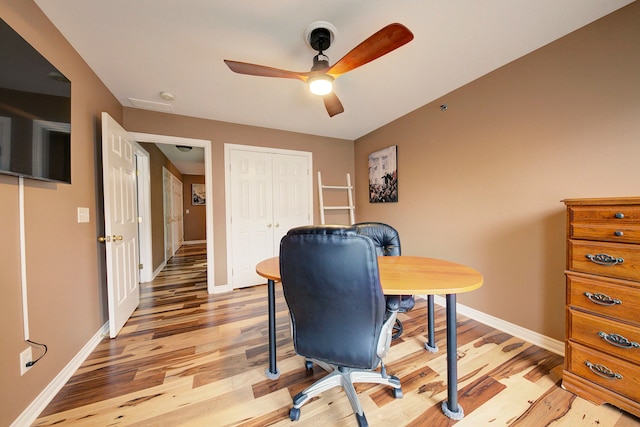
35	112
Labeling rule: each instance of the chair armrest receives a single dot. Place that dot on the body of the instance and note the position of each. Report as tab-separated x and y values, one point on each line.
384	341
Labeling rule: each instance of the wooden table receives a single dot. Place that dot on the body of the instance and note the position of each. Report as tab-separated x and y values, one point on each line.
403	275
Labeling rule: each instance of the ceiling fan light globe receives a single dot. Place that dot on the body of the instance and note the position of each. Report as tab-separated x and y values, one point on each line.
322	85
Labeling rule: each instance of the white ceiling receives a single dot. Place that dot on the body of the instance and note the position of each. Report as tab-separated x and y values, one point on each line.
187	162
139	48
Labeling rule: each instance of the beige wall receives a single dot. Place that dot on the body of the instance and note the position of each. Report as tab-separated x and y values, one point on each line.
66	297
481	183
195	220
333	157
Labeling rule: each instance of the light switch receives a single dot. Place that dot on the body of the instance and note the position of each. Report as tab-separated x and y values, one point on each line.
187	211
83	215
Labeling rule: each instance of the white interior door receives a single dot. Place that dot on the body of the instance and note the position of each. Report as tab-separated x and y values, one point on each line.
251	213
291	195
173	222
121	223
177	203
168	209
269	193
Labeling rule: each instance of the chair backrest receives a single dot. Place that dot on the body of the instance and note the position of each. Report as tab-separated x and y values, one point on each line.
385	238
332	286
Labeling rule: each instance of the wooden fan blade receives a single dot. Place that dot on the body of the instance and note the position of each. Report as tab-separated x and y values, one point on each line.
384	41
332	104
264	71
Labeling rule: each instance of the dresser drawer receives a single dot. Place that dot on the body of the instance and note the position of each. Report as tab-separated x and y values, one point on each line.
606	232
610	372
605	259
608	297
614	214
615	338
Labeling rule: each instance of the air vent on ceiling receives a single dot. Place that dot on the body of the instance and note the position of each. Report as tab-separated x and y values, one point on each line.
150	105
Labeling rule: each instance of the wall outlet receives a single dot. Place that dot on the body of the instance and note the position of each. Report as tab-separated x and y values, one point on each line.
25	357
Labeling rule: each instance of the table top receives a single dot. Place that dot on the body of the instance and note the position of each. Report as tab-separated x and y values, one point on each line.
407	275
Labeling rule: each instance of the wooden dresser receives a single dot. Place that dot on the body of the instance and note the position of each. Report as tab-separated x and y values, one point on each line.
602	349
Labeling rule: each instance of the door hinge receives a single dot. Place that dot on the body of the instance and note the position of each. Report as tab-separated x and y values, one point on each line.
140	266
137	172
139	220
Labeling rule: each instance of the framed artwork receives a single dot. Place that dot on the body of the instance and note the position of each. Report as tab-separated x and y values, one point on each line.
198	196
383	175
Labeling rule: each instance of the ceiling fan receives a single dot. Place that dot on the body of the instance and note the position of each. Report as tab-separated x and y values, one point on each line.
322	75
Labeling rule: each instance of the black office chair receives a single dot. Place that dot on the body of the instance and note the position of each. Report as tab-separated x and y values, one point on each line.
387	242
338	313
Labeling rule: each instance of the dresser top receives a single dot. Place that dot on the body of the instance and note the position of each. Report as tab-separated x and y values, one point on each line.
603	201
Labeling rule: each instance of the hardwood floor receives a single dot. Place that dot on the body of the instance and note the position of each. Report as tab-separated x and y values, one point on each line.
192	359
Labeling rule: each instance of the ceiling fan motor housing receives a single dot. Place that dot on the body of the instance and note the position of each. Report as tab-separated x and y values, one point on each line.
320	39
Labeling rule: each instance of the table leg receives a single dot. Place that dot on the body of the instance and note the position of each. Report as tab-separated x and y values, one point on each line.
431	333
451	408
272	373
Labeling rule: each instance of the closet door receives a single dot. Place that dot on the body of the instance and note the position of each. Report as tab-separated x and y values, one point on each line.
251	214
269	194
290	195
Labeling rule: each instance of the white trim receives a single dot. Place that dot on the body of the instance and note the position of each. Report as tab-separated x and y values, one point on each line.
159	269
194	242
208	178
31	413
532	337
143	181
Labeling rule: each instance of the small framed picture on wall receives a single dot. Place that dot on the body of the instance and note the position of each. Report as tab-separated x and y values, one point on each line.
198	196
383	175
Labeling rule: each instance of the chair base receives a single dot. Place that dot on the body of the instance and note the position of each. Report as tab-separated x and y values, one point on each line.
345	378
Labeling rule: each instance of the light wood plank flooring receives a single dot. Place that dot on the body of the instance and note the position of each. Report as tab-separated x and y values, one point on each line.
192	359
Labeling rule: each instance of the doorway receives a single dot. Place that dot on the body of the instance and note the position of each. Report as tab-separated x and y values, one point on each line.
206	144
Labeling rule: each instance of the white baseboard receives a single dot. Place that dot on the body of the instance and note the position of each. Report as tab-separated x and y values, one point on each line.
36	407
534	338
159	269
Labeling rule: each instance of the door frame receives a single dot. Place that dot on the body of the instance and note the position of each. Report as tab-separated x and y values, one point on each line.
144	212
227	191
208	173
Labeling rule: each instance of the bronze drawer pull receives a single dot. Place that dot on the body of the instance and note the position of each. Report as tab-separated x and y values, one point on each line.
603	371
602	299
618	233
619	215
618	340
604	259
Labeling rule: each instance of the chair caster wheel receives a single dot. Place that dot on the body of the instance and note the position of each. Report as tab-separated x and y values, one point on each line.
397	393
294	414
397	329
308	364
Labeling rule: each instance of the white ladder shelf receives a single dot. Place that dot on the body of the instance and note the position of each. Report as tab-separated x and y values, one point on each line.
350	207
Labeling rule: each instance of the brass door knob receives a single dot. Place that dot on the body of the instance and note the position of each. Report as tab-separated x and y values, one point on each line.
104	239
116	237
